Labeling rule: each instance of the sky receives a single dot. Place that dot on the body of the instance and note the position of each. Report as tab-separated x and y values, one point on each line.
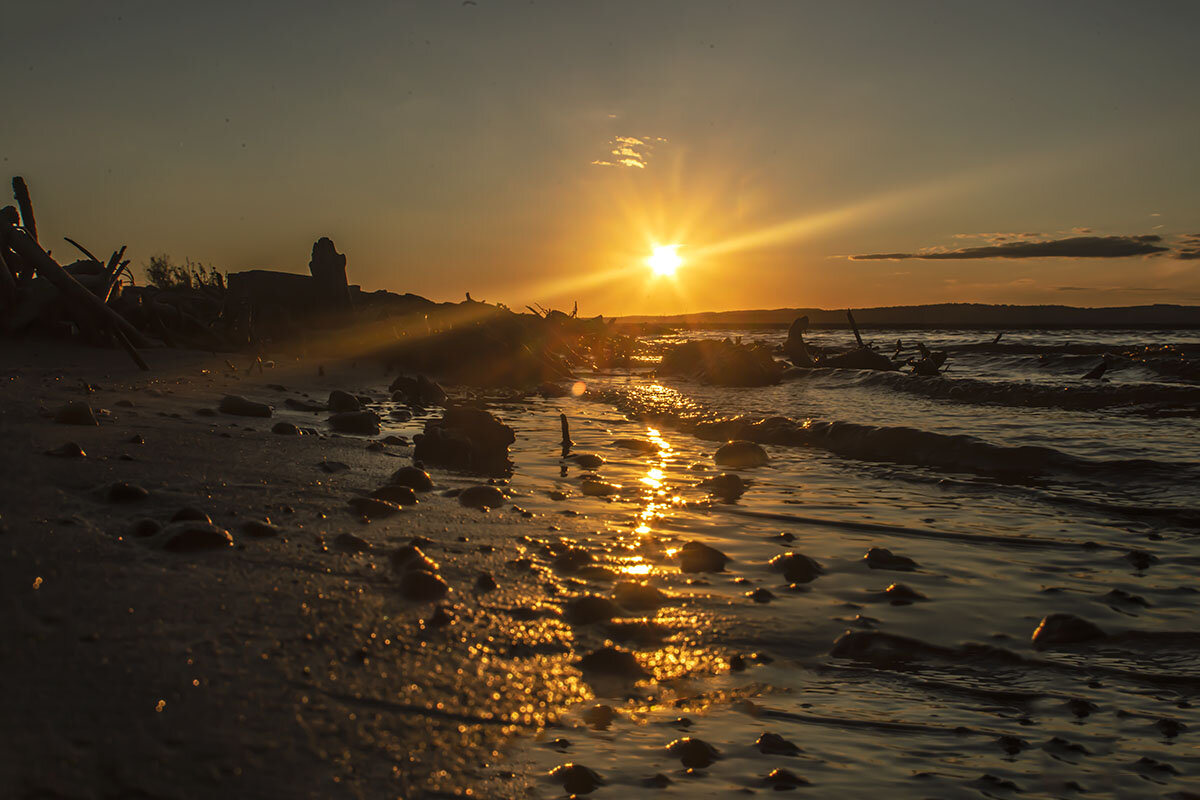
800	154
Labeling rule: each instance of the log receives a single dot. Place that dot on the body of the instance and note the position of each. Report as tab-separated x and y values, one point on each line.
566	435
8	283
854	327
83	250
21	193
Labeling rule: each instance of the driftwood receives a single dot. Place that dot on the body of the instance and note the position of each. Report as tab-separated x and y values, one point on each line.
21	192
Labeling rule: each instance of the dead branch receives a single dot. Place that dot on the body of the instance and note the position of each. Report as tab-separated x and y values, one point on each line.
21	193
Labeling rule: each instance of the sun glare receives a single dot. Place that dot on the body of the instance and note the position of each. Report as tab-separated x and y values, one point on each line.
664	260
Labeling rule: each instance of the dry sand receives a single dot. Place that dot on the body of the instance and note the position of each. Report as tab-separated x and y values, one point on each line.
281	667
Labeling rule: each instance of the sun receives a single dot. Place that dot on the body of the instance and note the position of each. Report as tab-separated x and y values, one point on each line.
664	260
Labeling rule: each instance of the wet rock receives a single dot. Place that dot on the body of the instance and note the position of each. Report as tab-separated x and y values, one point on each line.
303	405
1080	707
136	439
412	557
614	662
1012	745
900	595
599	717
67	450
1140	559
418	391
76	412
286	429
400	495
881	647
761	595
727	486
781	779
373	507
1122	597
420	586
1170	728
1151	766
466	438
414	478
639	596
598	489
485	497
365	423
882	558
576	778
637	445
259	528
693	753
572	559
796	567
122	492
590	609
145	528
656	781
342	402
699	557
332	467
190	513
587	460
740	455
557	495
1059	746
191	536
241	407
350	543
990	783
486	583
1060	629
772	744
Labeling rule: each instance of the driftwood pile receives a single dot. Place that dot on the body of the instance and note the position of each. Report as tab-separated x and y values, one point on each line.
322	314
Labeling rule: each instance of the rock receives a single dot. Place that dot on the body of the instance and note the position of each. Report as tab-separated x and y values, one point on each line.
303	405
699	557
722	363
400	495
727	486
375	447
189	513
420	586
1140	559
772	744
781	779
418	391
656	781
343	402
483	497
590	609
1170	728
411	557
900	595
740	455
761	595
796	567
882	558
694	753
599	717
1012	745
192	536
365	423
639	596
486	582
395	440
468	439
145	528
286	429
76	412
332	467
637	445
351	543
598	489
1059	629
372	507
122	492
241	407
587	460
572	559
614	662
259	528
67	450
414	478
576	778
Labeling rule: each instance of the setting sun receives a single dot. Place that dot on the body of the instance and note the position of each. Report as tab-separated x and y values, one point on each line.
665	260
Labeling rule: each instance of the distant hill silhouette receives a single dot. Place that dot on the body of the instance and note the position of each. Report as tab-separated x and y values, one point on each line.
942	315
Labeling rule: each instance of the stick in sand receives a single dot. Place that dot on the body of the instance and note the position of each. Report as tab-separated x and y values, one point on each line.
566	435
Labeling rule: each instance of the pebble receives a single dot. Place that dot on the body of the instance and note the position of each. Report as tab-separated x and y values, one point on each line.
191	536
76	412
375	447
189	513
611	661
372	507
761	595
590	609
900	595
637	445
796	567
599	717
122	492
136	439
332	467
67	450
587	460
414	478
772	744
656	781
576	778
286	429
241	407
400	495
694	753
1058	629
1012	744
410	557
422	587
484	497
1140	559
486	582
727	486
740	455
1170	728
361	422
882	558
259	528
395	440
555	494
699	557
782	779
342	402
639	596
598	489
351	543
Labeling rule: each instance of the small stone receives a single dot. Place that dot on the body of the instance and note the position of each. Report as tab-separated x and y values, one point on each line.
414	478
122	492
136	439
781	779
900	595
486	583
1059	629
67	450
740	455
207	412
391	439
342	402
1080	707
332	467
372	507
189	513
259	528
375	447
598	489
727	486
611	661
241	407
411	557
639	596
796	567
351	543
882	558
76	412
576	778
1012	745
191	536
637	445
693	753
555	494
587	460
761	595
1170	728
699	557
590	609
483	497
420	586
656	781
772	744
400	495
286	429
360	422
1140	559
599	717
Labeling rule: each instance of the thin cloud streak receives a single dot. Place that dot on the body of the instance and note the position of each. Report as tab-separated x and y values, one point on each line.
1071	247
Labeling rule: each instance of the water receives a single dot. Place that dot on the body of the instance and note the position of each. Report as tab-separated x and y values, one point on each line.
1018	488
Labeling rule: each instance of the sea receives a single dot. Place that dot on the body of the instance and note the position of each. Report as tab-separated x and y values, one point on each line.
1007	489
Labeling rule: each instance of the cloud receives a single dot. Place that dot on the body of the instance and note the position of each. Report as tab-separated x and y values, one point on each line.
629	151
1189	247
1070	247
